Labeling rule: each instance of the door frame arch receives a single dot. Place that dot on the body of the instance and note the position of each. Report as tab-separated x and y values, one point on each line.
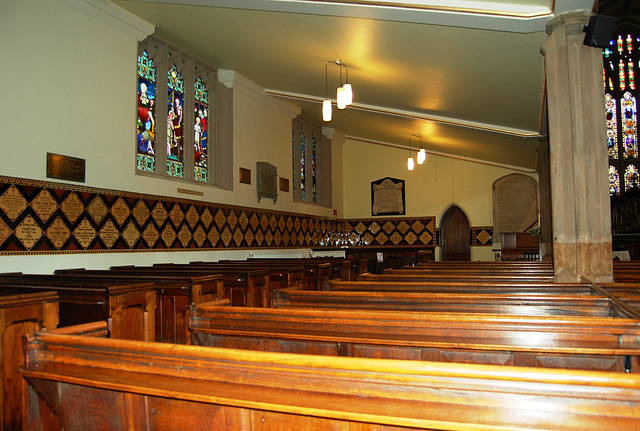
442	218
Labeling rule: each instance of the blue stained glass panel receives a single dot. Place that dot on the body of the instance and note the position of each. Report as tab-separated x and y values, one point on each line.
145	124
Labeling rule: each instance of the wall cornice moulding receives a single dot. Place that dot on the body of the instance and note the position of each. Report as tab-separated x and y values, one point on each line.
114	16
237	82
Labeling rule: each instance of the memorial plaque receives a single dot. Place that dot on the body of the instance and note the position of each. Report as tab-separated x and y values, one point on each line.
284	184
387	197
84	233
151	235
267	179
245	176
65	167
109	234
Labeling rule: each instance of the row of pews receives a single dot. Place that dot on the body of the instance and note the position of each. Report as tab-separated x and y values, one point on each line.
479	345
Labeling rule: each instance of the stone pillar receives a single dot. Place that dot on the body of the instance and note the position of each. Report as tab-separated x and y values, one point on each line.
581	214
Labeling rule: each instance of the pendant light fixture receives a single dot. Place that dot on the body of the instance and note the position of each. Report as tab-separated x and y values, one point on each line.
422	154
344	94
326	105
410	163
341	96
348	91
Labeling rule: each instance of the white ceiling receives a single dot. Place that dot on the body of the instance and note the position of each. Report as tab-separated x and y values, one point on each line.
467	76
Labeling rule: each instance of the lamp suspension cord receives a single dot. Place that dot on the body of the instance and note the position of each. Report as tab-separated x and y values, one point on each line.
326	80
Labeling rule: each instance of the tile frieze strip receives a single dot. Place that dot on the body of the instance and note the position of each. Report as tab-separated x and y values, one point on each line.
40	217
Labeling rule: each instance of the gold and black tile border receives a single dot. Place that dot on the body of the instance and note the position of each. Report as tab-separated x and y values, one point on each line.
39	217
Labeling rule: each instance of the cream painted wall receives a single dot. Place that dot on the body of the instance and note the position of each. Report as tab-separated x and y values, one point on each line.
71	89
429	189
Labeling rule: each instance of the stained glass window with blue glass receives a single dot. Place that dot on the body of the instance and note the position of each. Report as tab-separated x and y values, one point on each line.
145	124
175	122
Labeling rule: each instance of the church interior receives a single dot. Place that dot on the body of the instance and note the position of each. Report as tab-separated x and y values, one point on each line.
320	214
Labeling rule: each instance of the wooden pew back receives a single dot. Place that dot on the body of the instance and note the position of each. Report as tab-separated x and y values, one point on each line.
596	343
137	385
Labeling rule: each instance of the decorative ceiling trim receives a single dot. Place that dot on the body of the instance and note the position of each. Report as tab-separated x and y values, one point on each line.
411	115
114	16
442	14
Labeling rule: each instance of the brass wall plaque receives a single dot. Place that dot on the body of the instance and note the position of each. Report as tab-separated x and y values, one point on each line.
245	176
284	184
65	167
267	179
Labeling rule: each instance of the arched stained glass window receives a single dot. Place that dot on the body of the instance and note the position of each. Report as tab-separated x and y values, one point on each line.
629	125
314	167
631	179
145	125
303	165
309	150
612	126
202	125
175	122
614	181
620	61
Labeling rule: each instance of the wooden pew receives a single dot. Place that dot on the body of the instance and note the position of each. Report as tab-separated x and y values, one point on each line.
129	308
242	286
404	275
137	385
174	294
316	271
341	268
501	267
21	313
458	287
281	275
626	271
593	343
531	304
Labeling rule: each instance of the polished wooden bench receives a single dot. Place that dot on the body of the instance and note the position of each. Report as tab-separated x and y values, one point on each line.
242	286
21	313
129	308
466	276
316	271
488	268
174	294
340	268
531	304
458	287
281	275
595	343
136	385
626	271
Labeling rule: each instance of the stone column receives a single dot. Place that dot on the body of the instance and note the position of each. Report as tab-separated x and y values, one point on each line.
581	214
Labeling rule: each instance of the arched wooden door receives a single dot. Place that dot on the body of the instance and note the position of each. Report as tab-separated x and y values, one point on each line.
455	234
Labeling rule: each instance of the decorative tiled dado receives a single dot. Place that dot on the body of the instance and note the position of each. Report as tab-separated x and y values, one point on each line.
47	217
394	231
482	236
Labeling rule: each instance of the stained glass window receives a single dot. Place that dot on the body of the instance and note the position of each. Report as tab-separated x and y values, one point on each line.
185	105
629	125
612	125
631	177
145	125
306	141
201	131
620	61
614	181
303	165
314	168
175	122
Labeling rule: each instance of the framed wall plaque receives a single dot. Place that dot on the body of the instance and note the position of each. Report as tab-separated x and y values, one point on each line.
387	197
65	167
267	181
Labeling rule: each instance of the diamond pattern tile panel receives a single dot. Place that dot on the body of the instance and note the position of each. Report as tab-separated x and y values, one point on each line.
47	217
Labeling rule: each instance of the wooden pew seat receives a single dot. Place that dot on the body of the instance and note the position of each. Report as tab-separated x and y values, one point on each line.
136	385
596	343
